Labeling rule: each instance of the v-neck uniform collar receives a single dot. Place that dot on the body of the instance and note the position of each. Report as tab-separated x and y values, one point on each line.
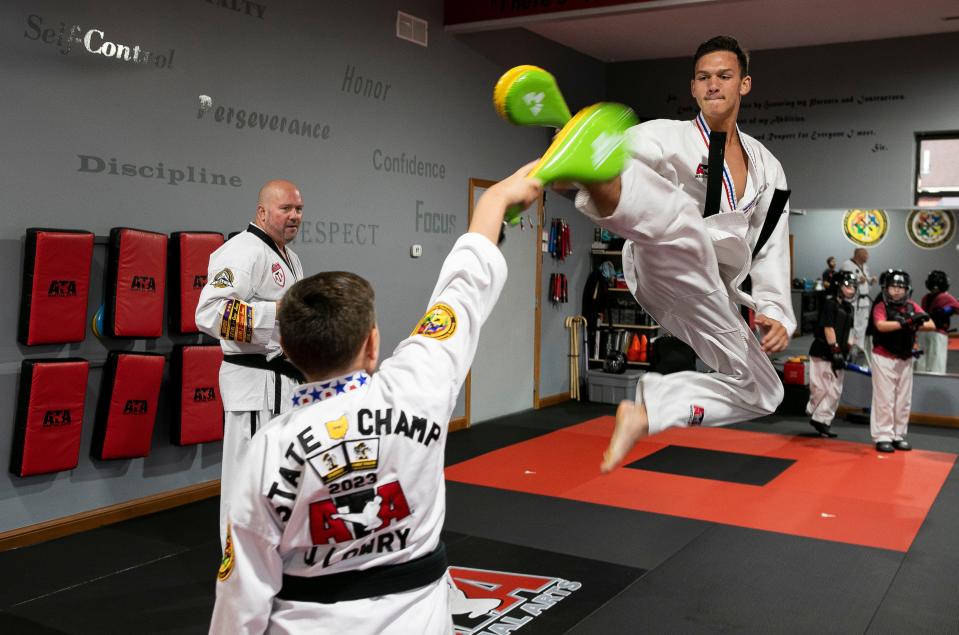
728	184
262	235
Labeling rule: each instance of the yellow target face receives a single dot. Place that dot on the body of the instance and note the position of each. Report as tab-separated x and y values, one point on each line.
865	227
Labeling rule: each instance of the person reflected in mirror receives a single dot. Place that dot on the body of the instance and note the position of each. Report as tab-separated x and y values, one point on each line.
940	305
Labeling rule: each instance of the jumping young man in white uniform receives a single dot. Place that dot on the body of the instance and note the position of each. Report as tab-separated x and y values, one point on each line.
686	270
334	523
247	276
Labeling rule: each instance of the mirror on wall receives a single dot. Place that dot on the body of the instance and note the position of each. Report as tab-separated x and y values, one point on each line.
917	240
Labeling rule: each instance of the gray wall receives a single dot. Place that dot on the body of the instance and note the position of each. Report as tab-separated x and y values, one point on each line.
294	62
554	367
884	92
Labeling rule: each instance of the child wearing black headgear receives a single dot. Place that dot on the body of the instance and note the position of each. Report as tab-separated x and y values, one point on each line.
893	323
940	305
829	350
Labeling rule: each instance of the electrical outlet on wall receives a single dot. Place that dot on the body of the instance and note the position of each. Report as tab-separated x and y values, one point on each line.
416	251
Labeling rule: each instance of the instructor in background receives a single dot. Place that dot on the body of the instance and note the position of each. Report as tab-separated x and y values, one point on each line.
247	276
857	265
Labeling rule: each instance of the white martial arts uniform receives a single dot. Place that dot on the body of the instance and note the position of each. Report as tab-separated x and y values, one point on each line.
354	479
246	276
863	306
825	389
891	382
686	271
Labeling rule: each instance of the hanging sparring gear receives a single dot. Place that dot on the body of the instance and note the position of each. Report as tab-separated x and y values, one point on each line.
189	259
56	282
195	385
136	280
50	399
126	410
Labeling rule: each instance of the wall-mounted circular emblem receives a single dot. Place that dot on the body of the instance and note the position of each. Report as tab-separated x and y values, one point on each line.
930	228
438	323
865	227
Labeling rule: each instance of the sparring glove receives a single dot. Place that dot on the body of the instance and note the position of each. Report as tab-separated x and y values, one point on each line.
909	319
838	359
915	321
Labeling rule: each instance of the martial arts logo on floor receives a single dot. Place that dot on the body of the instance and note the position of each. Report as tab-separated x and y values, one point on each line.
501	602
505	588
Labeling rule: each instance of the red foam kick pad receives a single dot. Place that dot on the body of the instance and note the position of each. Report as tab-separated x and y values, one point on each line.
136	280
56	279
189	261
126	411
198	409
46	435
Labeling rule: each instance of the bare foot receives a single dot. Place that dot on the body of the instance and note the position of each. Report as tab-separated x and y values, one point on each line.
632	424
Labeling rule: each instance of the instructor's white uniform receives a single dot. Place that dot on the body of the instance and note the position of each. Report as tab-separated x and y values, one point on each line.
352	478
246	276
686	271
863	307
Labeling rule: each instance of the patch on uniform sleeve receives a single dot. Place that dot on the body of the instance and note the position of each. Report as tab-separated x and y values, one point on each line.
438	323
223	279
237	321
226	564
696	414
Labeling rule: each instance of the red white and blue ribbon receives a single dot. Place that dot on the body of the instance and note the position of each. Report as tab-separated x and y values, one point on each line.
703	128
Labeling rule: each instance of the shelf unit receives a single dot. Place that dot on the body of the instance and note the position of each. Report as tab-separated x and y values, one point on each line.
621	302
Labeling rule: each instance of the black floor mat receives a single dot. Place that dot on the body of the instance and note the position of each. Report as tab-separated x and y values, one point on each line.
731	467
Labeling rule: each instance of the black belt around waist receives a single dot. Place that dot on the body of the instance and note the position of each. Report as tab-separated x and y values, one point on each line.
358	585
277	364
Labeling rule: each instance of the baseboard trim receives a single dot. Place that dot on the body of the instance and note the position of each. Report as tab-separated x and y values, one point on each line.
918	418
459	423
553	400
84	521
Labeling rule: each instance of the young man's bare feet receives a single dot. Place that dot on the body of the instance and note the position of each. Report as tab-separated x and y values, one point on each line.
632	424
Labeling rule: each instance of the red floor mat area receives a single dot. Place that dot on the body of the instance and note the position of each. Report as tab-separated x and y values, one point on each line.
835	490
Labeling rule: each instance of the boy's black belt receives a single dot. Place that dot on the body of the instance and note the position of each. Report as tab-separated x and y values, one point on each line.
368	583
277	364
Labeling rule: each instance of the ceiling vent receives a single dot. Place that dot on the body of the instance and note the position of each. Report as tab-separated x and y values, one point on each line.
411	28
